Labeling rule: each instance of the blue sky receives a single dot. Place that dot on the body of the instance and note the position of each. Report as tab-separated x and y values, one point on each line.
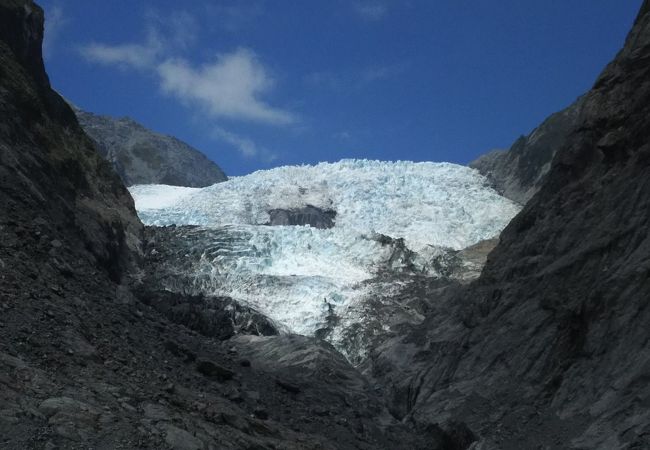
256	84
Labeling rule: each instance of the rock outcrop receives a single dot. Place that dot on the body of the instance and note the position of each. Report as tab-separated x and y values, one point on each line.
550	348
141	156
308	215
51	176
518	173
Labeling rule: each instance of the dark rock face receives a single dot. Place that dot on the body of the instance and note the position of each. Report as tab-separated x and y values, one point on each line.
518	173
50	173
310	369
21	28
462	265
551	346
141	156
214	317
309	215
213	370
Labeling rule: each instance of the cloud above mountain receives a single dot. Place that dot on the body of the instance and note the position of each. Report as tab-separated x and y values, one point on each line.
231	85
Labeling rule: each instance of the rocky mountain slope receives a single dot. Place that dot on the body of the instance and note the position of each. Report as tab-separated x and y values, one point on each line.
550	348
50	173
518	173
141	156
84	363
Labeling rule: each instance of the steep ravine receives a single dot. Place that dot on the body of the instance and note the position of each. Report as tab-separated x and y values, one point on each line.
549	348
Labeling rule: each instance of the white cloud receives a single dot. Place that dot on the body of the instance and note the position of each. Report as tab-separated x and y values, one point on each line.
371	10
166	35
176	32
136	56
229	87
55	21
129	56
246	146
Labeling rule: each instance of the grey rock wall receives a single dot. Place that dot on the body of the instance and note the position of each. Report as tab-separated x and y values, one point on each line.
550	347
141	156
518	173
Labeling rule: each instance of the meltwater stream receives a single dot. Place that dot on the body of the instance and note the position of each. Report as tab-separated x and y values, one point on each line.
389	218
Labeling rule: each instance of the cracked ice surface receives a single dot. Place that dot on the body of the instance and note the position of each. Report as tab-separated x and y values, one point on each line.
287	272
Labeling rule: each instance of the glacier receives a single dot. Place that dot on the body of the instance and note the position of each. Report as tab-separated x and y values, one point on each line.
391	217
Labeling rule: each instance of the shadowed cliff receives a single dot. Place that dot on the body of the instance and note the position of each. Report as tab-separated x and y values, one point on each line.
550	347
50	172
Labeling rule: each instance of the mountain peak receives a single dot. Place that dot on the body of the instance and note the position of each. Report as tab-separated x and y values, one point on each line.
142	156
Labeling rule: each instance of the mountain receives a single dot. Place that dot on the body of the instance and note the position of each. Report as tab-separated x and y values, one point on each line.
518	173
141	156
550	347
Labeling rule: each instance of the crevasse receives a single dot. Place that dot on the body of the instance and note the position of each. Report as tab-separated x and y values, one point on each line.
296	274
